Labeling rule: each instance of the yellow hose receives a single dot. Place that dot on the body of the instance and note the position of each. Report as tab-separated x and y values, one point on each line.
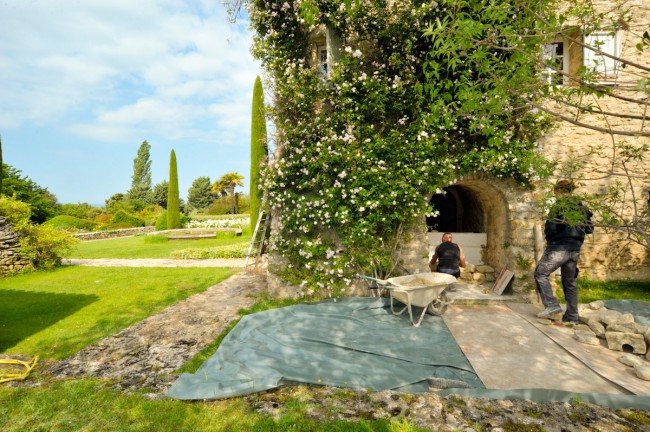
28	365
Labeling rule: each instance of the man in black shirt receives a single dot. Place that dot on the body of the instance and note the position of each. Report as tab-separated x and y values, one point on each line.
449	256
568	222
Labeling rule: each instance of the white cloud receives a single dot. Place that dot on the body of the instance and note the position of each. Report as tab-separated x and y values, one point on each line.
105	68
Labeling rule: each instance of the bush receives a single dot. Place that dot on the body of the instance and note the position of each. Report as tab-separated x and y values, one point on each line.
16	212
126	220
66	222
152	239
45	246
232	251
161	222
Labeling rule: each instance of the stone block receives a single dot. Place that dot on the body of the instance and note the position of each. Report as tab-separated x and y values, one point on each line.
484	269
595	305
609	317
586	337
624	319
646	336
622	328
642	371
631	359
597	327
616	341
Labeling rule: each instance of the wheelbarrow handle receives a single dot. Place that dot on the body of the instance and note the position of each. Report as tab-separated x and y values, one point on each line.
379	281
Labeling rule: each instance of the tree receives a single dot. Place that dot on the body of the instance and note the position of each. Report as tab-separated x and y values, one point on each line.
199	195
220	187
231	181
141	179
259	149
173	202
159	194
43	203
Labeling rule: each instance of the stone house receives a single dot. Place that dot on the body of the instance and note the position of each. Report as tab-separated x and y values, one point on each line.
496	221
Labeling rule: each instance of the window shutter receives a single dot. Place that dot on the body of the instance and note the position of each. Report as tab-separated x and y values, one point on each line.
608	43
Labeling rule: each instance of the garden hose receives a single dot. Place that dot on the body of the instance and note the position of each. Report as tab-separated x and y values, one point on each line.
28	365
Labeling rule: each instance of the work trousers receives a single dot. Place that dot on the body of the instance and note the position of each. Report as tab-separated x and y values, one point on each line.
567	262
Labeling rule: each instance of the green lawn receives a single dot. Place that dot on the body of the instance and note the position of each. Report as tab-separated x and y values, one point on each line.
55	314
135	247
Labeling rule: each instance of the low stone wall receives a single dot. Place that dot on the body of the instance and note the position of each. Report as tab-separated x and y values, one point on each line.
10	259
114	234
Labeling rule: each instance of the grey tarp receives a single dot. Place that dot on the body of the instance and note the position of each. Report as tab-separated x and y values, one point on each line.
354	342
639	309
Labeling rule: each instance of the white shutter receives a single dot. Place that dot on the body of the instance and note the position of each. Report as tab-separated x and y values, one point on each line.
609	43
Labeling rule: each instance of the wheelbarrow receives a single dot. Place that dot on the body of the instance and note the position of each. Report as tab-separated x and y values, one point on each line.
423	290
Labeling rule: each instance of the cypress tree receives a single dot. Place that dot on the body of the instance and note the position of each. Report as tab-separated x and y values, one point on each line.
173	207
259	149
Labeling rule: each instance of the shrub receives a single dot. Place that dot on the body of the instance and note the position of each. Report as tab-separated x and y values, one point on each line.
45	246
232	251
16	212
152	239
126	220
161	222
66	222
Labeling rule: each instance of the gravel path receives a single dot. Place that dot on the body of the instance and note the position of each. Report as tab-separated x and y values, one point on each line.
150	262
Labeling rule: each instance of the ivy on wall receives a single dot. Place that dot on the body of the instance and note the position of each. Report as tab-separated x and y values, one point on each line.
419	96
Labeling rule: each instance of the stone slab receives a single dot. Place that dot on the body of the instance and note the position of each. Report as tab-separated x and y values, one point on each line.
509	352
600	359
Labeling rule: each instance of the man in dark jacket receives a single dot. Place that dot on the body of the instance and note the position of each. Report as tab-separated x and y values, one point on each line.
449	256
568	222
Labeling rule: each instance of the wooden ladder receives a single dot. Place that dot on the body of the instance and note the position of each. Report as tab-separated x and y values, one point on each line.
259	239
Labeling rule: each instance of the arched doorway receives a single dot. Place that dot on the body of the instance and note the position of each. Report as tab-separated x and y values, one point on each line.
476	213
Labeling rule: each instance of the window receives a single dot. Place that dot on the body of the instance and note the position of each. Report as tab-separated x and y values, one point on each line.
605	42
322	59
555	62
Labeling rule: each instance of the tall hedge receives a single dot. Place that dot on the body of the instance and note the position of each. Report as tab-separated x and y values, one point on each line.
259	149
173	206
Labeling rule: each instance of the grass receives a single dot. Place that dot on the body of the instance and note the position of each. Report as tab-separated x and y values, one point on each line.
589	291
55	314
138	247
90	405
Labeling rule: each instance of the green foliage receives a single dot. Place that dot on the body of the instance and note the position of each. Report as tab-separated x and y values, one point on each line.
416	100
227	184
259	149
220	208
159	194
66	222
45	246
126	220
173	205
163	220
232	251
42	202
199	195
80	210
16	212
141	179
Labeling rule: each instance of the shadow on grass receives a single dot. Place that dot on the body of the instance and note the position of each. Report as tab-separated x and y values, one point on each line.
24	313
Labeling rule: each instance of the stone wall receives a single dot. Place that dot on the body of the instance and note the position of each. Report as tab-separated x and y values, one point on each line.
97	235
10	259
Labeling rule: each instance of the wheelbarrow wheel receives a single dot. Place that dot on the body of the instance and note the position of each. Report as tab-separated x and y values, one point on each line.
439	305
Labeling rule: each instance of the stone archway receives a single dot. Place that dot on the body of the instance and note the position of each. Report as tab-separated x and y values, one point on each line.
477	213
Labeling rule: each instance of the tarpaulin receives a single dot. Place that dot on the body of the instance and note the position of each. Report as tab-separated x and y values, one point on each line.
352	342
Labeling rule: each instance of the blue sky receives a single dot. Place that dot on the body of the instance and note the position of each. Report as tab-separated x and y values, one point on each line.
84	82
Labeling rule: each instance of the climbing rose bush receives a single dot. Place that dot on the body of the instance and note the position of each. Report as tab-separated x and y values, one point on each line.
410	106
